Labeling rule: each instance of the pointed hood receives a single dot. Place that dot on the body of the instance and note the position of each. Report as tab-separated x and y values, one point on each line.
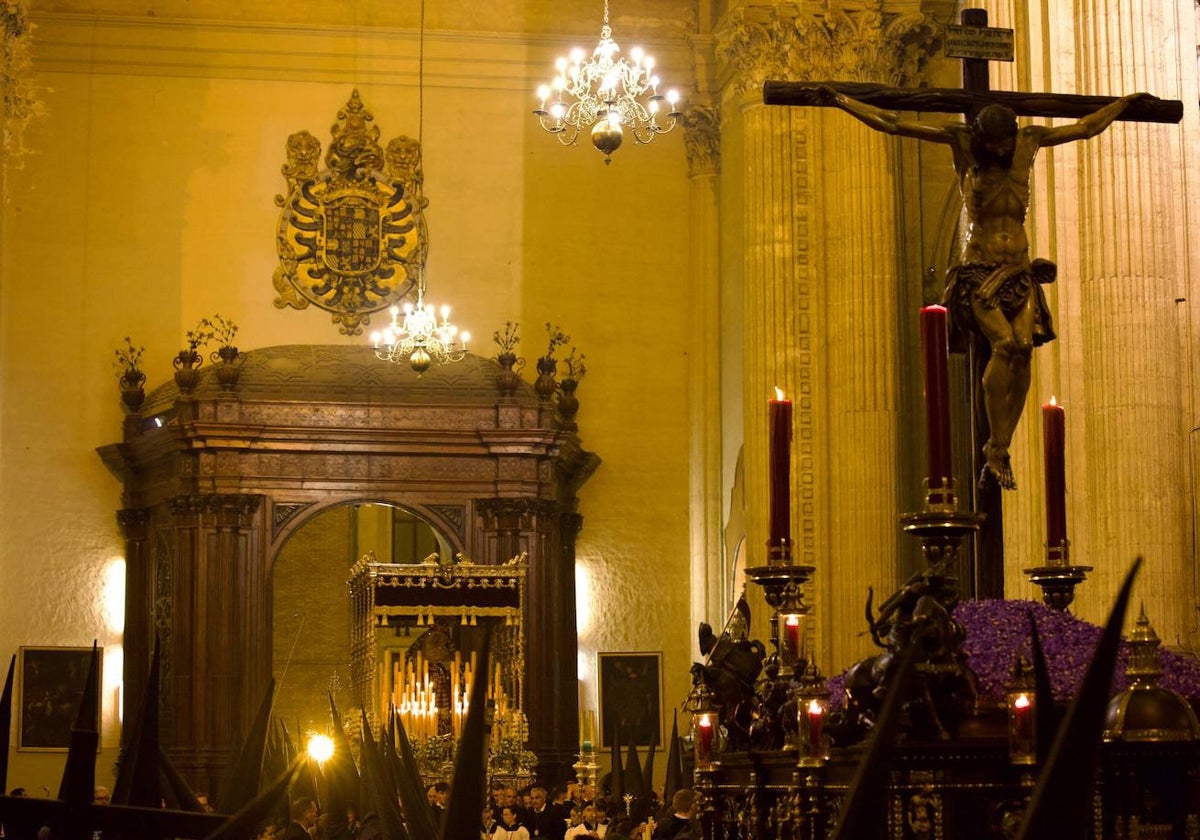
862	815
175	787
467	790
674	763
648	772
417	812
377	793
1061	801
340	772
616	779
6	722
137	780
1046	715
241	785
633	781
79	776
246	822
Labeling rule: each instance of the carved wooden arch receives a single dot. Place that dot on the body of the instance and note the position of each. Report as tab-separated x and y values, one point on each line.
214	480
435	516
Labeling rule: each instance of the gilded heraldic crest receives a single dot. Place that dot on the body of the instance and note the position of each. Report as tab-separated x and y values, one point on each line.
352	237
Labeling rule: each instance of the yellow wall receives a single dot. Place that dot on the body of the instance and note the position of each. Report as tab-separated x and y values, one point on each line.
148	204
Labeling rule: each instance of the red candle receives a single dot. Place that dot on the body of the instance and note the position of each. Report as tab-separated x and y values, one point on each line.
780	416
704	739
1053	437
791	639
816	717
1022	744
937	393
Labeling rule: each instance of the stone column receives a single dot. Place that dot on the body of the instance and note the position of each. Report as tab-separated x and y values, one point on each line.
821	295
1131	430
710	579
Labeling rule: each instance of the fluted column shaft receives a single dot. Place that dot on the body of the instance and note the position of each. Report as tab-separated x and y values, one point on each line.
1129	281
711	586
820	292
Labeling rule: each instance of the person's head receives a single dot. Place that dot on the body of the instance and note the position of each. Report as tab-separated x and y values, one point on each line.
683	801
304	811
101	796
995	131
589	813
496	792
441	793
510	796
537	797
508	816
18	791
431	794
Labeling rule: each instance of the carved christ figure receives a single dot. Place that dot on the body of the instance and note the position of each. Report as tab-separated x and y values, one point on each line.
995	290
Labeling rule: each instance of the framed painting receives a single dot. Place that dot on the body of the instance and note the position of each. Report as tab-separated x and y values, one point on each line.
52	685
630	686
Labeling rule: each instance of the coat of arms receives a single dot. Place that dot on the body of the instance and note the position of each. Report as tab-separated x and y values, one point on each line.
352	237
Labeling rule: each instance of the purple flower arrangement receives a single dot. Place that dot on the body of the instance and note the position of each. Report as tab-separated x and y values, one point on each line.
998	633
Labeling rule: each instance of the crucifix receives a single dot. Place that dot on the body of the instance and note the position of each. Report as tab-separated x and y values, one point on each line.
998	310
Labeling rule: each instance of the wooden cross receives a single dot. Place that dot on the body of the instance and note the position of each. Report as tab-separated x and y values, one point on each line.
979	44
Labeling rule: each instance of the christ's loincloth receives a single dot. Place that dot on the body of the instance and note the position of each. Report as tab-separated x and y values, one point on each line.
1004	287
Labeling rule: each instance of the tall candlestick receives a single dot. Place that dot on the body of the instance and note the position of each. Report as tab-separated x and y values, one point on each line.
780	415
937	394
1053	439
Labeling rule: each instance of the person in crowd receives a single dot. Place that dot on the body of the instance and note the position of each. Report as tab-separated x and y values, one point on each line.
441	798
543	819
510	827
589	825
680	823
304	819
488	822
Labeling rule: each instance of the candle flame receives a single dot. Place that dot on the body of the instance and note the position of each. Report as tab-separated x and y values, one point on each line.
1022	701
778	393
814	707
793	621
1053	401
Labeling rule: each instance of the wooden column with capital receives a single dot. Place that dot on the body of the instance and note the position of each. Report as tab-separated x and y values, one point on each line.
138	633
219	663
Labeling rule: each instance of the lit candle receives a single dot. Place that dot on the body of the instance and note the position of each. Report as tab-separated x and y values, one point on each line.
1053	437
816	718
791	639
1021	742
780	415
704	740
937	394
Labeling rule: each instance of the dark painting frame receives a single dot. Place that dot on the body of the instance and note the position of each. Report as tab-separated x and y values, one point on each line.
631	688
52	685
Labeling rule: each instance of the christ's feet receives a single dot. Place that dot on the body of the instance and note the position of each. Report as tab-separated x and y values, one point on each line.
998	465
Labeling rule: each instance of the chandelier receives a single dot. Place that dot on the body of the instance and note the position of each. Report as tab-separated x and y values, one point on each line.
606	92
420	338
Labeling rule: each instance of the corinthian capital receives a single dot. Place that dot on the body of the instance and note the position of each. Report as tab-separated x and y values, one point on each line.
810	42
702	138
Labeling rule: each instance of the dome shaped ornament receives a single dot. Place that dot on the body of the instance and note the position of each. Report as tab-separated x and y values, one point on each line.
1146	711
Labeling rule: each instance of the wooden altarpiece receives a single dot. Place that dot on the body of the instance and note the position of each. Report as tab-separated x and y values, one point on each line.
216	480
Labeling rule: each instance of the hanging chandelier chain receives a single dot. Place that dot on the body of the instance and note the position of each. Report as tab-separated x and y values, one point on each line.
416	334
